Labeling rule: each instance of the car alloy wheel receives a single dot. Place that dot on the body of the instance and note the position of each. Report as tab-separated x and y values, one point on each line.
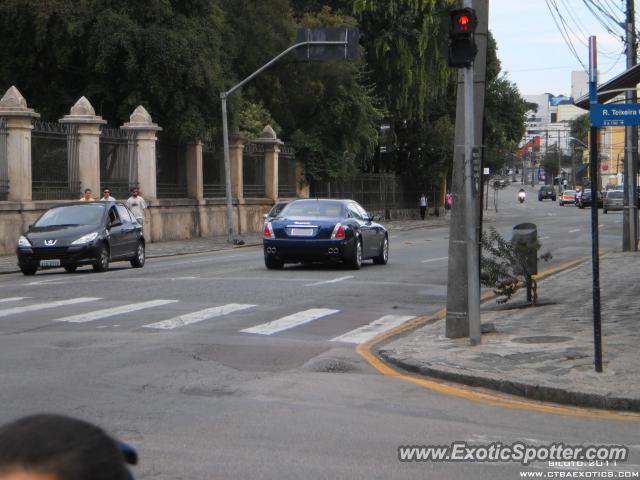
29	270
383	258
102	261
139	259
356	261
71	268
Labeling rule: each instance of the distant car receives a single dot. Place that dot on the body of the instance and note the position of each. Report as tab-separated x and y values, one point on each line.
568	196
275	210
614	200
88	233
324	230
585	199
546	191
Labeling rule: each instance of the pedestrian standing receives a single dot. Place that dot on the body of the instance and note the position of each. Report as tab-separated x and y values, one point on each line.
137	205
87	196
423	206
106	195
448	200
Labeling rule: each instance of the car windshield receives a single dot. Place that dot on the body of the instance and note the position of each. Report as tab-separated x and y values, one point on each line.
317	209
569	192
615	194
89	214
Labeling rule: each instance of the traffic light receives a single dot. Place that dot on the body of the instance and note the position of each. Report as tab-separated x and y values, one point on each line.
462	45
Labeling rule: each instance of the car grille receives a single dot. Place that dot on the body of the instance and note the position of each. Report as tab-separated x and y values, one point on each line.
54	252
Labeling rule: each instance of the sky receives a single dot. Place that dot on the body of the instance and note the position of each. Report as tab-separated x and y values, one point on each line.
533	52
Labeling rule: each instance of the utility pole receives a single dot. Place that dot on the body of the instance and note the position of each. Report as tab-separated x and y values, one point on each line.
559	167
630	217
463	286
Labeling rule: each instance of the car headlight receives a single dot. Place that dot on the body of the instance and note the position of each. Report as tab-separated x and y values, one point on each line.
23	242
89	237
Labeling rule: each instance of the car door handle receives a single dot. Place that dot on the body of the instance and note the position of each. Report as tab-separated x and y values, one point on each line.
128	230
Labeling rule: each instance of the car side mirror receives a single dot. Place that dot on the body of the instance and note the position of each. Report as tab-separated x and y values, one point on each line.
371	218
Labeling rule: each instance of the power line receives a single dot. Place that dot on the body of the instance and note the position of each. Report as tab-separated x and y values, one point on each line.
566	39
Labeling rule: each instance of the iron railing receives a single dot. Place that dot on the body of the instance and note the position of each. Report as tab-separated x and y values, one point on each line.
287	172
171	170
118	162
55	162
253	170
4	161
213	179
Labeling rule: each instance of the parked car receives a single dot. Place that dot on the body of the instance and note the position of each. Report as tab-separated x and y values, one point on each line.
275	210
88	233
614	200
546	191
324	231
568	196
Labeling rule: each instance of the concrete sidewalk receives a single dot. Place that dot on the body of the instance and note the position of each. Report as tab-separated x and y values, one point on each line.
9	264
545	352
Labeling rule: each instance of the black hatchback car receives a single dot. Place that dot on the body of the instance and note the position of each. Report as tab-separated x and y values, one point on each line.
87	233
546	191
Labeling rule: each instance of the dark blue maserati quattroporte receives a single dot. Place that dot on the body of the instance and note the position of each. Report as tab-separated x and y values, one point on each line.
322	230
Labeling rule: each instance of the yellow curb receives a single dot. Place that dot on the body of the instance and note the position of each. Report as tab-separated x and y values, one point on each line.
478	394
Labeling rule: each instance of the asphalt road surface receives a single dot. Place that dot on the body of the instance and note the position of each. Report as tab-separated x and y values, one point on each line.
215	368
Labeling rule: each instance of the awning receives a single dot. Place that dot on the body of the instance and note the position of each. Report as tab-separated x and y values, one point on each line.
627	79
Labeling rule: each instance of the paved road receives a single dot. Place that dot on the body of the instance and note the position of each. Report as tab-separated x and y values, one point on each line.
214	367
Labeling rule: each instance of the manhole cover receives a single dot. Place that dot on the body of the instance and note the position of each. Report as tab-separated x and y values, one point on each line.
542	339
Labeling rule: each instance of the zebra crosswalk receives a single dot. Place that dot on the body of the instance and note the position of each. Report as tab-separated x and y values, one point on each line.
97	309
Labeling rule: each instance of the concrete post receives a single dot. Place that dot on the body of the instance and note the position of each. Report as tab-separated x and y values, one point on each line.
84	117
236	150
194	171
18	117
271	150
140	122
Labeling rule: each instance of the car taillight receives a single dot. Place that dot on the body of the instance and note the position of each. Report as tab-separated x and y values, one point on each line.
338	232
268	231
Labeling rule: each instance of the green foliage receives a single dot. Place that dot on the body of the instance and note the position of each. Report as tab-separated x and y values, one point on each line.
580	128
503	265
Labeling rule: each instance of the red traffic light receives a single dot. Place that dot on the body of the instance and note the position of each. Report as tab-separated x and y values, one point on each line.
463	21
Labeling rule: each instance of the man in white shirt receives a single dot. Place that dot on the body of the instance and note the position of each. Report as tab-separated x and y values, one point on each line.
106	195
137	205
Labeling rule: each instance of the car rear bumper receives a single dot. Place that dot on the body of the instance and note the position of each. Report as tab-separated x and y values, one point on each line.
291	251
71	255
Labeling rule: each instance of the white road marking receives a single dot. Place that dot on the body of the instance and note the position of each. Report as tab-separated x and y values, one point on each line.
290	321
110	312
40	282
199	316
12	299
574	230
367	332
335	280
45	306
434	259
544	238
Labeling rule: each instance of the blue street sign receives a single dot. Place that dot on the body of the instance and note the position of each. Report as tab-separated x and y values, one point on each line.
612	115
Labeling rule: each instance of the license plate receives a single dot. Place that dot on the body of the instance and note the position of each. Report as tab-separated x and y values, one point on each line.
50	263
302	232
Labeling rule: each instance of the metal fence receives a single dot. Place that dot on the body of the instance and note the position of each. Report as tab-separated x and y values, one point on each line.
372	191
213	179
171	174
253	170
55	166
118	163
287	172
4	161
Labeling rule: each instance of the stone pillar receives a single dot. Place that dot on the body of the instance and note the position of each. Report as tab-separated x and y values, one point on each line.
302	187
84	117
194	171
236	151
18	117
140	122
271	150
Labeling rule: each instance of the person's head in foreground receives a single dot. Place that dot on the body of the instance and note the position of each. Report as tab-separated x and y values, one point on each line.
55	447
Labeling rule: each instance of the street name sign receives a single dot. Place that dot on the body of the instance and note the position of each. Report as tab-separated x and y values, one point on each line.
623	115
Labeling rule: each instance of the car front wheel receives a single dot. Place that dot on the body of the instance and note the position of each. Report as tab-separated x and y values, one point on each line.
138	260
102	260
29	270
383	258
